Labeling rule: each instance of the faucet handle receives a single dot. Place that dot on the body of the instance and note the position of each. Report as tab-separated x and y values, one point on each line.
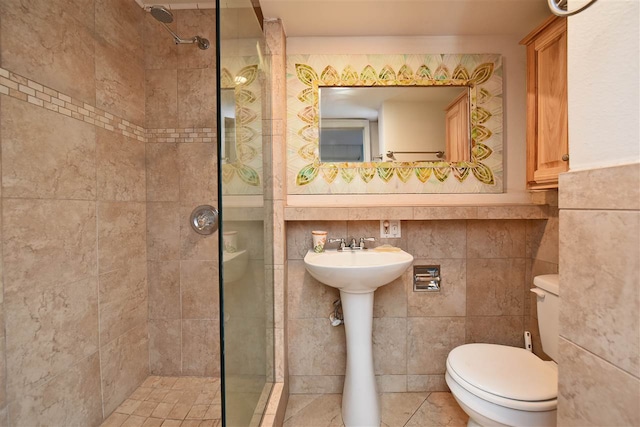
366	239
342	242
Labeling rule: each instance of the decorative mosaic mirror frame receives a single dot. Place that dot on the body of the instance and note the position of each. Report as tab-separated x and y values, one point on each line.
482	73
244	175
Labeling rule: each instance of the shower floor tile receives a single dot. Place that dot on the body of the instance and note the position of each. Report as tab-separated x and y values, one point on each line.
398	410
170	402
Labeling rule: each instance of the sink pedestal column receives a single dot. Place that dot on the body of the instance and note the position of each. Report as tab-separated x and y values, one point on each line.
360	405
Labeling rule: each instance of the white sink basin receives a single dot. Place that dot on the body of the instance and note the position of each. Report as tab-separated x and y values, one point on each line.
357	271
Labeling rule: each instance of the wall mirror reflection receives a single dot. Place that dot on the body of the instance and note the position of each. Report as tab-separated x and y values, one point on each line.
228	131
398	123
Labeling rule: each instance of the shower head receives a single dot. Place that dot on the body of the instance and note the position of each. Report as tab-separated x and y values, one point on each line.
162	14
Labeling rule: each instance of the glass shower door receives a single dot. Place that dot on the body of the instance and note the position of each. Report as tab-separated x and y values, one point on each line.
245	236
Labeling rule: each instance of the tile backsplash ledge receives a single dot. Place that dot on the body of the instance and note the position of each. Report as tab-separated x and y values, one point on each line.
406	199
362	213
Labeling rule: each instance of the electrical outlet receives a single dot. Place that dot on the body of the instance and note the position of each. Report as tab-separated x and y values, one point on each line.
390	229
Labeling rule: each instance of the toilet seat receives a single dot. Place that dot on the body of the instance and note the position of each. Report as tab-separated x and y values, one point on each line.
507	376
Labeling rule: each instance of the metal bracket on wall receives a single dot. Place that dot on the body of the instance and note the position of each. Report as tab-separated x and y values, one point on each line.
426	278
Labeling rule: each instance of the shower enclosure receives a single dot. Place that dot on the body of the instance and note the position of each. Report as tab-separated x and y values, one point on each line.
117	119
246	237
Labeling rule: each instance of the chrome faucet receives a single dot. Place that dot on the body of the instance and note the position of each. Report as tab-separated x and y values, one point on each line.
366	239
353	245
342	242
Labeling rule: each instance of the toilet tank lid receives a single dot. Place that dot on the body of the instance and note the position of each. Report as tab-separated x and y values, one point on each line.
548	282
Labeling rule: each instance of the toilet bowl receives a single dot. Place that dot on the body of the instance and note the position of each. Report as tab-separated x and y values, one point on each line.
498	385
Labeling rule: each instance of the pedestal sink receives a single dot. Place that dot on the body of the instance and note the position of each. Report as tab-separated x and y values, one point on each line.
357	274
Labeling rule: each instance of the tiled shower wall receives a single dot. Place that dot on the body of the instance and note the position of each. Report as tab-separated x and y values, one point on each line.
73	209
486	270
180	85
86	204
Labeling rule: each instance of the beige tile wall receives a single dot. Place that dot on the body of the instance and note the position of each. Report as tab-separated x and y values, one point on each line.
274	158
103	206
73	210
181	175
486	268
599	366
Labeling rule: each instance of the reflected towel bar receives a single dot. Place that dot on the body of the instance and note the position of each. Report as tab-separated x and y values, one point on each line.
391	154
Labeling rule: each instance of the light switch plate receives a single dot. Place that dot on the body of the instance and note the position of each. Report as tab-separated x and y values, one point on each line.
391	232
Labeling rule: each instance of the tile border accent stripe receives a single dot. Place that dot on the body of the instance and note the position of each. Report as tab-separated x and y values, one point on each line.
19	87
24	89
181	135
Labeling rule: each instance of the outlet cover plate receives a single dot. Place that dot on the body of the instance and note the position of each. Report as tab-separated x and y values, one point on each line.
393	231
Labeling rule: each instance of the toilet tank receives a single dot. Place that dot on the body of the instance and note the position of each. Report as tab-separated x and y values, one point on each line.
548	304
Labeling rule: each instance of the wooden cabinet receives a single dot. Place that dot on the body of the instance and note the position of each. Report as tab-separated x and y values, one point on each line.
547	139
458	148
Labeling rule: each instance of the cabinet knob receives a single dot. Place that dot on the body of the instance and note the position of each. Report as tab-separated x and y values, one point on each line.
565	157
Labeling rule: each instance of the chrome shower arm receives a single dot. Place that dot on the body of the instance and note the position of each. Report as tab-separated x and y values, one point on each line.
201	42
176	38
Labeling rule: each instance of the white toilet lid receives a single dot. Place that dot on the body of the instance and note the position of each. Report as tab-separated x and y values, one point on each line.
509	372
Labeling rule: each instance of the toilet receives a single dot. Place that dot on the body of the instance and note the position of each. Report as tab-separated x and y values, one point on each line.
497	385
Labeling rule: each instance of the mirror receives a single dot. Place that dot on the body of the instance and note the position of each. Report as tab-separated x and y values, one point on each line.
228	131
241	127
394	123
472	157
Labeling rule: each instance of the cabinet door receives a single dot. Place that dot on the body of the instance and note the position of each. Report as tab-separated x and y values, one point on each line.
457	130
547	56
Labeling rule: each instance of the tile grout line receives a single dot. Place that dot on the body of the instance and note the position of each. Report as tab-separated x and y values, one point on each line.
100	366
4	316
417	409
97	205
180	230
601	358
146	227
318	395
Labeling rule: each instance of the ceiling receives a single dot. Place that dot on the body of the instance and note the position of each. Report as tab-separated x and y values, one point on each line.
326	18
335	18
